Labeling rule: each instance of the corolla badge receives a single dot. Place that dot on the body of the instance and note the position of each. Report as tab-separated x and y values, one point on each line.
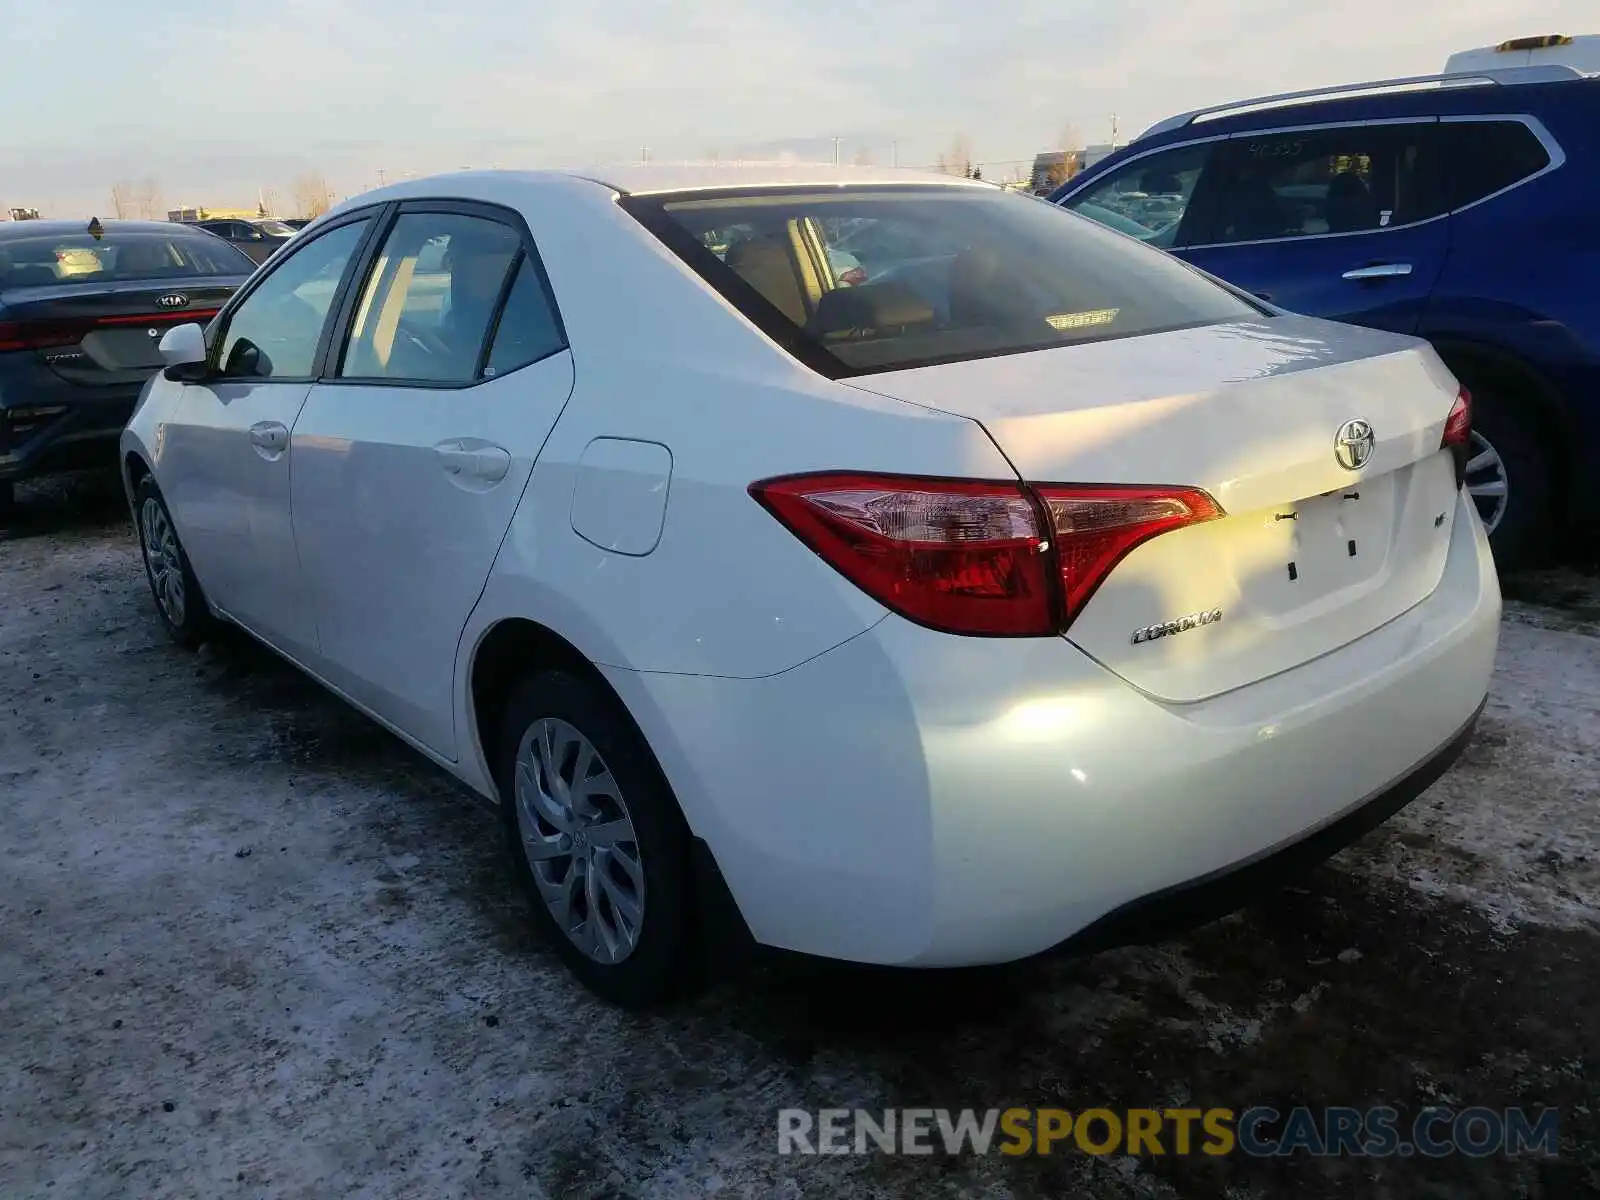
172	300
1183	624
1354	443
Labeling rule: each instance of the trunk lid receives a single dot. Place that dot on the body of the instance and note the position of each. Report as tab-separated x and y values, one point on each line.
100	335
1310	554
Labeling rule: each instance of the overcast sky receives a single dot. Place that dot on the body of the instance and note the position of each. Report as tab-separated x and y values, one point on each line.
214	100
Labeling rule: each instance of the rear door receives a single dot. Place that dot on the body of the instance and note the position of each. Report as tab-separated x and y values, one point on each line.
1343	222
411	455
225	459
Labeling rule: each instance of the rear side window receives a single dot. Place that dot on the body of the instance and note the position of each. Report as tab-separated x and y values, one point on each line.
1353	179
1479	158
528	328
859	279
116	257
430	299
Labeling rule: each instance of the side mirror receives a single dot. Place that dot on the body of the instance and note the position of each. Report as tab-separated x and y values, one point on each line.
183	350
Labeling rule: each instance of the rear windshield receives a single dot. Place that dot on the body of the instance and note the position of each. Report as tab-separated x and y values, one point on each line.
860	279
115	258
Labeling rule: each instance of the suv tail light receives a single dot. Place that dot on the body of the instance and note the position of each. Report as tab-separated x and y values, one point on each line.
1458	433
972	557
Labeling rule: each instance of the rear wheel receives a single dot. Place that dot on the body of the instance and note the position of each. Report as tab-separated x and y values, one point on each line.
1508	478
180	603
597	840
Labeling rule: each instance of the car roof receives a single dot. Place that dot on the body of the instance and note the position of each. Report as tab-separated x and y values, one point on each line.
650	178
56	227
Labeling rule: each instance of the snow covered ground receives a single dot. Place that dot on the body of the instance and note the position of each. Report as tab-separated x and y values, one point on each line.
251	945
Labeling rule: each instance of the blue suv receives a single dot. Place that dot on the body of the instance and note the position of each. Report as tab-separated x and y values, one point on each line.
1462	208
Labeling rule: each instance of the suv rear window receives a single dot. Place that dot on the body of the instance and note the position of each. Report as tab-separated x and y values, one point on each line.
115	258
878	278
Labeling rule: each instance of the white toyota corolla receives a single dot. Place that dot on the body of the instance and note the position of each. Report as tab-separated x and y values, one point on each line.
1019	587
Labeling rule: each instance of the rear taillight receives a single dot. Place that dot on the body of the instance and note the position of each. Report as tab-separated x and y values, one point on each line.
41	335
1458	433
970	557
1095	528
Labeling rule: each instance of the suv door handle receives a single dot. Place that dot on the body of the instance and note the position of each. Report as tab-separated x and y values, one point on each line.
270	438
475	458
1379	271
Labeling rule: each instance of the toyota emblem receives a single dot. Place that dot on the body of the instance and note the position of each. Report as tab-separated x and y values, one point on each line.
1353	444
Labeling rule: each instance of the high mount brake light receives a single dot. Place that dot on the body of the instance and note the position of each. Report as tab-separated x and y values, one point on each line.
976	557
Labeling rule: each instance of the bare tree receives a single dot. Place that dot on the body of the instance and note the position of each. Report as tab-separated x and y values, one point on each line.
121	200
1071	160
147	199
958	159
863	157
311	195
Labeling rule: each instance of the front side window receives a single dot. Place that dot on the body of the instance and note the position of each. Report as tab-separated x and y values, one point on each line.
1354	179
1146	198
429	302
858	279
275	331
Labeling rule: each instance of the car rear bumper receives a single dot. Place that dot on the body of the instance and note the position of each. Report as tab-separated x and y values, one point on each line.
62	430
920	799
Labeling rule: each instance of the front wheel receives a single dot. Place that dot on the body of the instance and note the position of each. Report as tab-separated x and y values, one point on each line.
597	840
179	601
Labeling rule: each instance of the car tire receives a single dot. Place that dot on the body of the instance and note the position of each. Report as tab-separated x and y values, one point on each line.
8	500
619	912
1507	440
180	603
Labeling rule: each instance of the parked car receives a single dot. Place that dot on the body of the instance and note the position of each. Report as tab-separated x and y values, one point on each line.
776	610
259	239
1459	208
82	306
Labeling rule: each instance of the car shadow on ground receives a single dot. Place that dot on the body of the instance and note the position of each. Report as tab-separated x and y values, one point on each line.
83	502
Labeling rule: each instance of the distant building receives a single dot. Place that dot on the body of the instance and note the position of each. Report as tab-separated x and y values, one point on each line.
24	214
212	214
1054	167
1093	154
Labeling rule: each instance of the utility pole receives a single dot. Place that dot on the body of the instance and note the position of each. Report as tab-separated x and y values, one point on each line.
836	142
1113	131
894	152
380	176
644	155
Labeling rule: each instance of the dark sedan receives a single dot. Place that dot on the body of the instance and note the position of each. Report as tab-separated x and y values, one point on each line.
82	308
260	239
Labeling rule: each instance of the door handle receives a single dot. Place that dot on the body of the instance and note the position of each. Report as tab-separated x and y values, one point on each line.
474	458
1379	271
269	437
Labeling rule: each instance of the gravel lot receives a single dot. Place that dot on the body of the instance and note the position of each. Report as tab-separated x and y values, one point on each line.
250	945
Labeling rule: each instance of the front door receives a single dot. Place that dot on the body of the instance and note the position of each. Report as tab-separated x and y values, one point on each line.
1343	223
229	446
411	458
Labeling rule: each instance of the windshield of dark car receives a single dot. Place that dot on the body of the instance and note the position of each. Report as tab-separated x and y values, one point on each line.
115	257
873	278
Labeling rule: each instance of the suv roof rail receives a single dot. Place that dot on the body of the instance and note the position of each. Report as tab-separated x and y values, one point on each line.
1501	76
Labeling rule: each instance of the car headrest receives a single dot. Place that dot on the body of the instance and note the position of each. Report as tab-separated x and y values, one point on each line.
870	306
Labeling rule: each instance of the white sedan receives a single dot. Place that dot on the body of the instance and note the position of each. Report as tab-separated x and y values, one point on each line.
1050	598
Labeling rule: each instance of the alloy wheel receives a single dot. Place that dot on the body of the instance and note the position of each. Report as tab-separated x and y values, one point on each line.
579	840
1486	481
163	560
